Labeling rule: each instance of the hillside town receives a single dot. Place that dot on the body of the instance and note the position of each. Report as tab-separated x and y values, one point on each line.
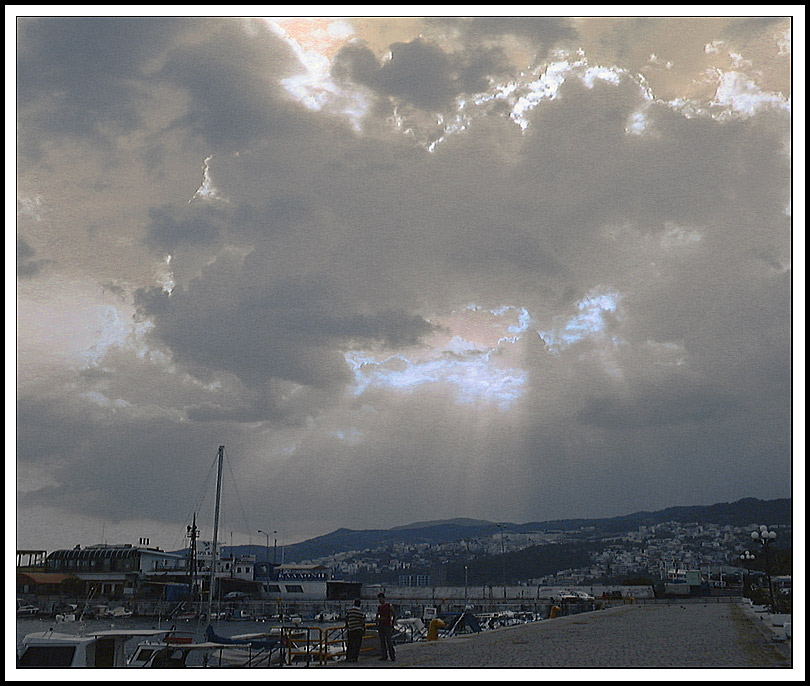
661	551
714	556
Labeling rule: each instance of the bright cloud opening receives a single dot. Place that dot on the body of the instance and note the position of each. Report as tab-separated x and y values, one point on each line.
590	322
471	356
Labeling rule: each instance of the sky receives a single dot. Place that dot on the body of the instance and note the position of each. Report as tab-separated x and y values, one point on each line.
403	268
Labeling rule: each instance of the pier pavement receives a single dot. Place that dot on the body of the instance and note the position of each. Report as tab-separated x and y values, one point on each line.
688	635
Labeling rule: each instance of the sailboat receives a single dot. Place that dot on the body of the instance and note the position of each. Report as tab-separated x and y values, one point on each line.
250	651
165	647
176	651
261	649
181	612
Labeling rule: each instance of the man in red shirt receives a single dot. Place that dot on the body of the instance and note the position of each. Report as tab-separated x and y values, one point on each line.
385	628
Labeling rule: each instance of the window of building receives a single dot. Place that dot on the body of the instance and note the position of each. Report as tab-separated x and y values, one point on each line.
294	588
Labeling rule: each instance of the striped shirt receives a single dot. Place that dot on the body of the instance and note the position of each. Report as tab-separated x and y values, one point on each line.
355	619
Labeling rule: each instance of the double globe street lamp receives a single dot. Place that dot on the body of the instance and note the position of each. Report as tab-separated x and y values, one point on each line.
747	557
765	537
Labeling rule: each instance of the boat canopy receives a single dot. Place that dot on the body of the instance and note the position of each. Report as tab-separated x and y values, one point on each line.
263	642
94	553
43	577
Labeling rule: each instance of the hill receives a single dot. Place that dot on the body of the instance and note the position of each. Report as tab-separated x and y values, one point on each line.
747	511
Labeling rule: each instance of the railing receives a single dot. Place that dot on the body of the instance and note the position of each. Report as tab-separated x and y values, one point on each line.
705	600
318	644
409	632
310	643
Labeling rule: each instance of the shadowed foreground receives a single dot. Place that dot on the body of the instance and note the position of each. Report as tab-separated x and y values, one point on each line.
692	635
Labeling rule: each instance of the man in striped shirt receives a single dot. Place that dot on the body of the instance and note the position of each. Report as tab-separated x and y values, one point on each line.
355	628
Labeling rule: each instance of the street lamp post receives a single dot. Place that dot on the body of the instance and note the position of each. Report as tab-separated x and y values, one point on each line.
503	561
266	545
746	558
765	537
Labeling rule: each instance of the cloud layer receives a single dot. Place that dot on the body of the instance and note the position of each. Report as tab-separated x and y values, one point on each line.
483	273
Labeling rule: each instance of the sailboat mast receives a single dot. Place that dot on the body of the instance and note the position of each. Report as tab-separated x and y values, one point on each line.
220	456
192	558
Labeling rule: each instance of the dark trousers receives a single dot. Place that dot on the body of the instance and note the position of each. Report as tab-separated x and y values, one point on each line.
386	642
354	639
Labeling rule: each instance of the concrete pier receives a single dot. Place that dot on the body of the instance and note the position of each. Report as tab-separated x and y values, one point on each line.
687	635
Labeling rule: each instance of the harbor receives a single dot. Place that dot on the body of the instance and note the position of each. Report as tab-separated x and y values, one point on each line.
123	606
698	634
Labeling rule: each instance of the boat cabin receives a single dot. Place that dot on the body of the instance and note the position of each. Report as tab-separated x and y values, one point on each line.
101	649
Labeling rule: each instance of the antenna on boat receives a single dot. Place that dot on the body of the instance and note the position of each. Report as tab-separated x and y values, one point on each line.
220	456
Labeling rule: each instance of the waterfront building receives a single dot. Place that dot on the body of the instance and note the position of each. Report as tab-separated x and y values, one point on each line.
292	582
414	580
118	570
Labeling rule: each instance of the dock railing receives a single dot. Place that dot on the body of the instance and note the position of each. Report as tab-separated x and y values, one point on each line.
319	644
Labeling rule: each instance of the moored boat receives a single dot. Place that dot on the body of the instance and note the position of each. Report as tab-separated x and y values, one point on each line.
25	609
172	649
249	650
100	649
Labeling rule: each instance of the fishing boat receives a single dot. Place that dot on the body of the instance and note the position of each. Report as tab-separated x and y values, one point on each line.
107	649
171	650
26	610
162	647
249	650
100	649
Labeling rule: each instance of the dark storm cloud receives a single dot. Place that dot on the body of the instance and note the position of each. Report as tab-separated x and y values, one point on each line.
420	73
317	239
99	459
42	442
75	75
748	27
279	328
511	246
207	225
591	172
88	76
27	266
232	78
580	172
166	231
659	406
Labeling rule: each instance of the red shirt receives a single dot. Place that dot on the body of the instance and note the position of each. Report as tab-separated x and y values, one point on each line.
385	614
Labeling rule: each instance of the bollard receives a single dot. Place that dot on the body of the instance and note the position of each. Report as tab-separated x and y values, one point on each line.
433	629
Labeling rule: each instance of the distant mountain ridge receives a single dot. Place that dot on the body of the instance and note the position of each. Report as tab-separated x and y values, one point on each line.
460	521
740	513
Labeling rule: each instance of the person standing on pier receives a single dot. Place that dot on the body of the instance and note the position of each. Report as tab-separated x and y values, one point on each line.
385	628
355	628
